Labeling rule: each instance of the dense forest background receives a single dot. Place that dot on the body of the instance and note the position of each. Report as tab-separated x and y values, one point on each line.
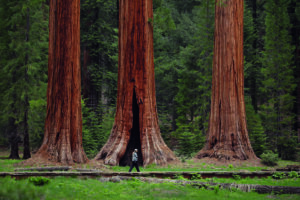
183	49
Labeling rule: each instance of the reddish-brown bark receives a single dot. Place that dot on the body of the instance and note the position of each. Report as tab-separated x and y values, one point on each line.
227	136
63	127
136	121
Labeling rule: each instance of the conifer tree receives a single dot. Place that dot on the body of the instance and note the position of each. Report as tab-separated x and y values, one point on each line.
63	126
279	83
227	137
194	85
24	55
136	122
99	60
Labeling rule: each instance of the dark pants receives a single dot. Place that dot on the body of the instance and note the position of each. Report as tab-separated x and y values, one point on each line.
136	165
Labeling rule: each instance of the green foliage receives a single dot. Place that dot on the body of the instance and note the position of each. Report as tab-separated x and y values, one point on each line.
8	165
90	131
17	190
187	60
165	51
293	174
269	158
24	65
230	166
69	188
233	189
190	142
37	115
153	165
95	130
278	175
287	146
99	43
255	129
196	176
39	180
258	181
236	177
179	177
216	189
278	82
253	29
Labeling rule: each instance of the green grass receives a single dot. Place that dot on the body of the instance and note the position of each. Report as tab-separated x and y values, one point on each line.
70	188
74	188
187	169
7	165
295	182
191	166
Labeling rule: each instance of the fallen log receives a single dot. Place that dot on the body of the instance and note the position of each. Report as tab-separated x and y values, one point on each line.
289	168
87	170
91	173
42	169
262	189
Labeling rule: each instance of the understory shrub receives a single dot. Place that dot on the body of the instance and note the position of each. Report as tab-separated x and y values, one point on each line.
278	175
39	181
293	174
196	176
237	177
269	158
16	190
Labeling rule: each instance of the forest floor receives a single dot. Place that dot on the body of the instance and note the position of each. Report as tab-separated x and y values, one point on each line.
86	188
187	165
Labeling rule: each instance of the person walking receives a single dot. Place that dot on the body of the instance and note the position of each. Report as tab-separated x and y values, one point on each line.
134	161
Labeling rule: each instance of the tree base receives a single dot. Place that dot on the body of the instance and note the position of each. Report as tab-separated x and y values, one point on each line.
46	157
227	155
161	158
38	160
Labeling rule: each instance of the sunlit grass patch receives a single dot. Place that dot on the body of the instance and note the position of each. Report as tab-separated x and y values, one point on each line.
192	166
7	165
70	188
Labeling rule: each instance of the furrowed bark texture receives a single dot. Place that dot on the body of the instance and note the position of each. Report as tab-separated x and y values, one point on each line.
63	127
227	136
136	122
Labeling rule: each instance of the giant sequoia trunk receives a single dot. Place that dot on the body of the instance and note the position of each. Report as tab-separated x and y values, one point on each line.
63	127
136	121
227	137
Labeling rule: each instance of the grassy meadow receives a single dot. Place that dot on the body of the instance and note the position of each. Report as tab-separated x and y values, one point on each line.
76	188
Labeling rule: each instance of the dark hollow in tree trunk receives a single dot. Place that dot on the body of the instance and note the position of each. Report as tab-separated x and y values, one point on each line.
135	140
136	121
63	126
227	137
